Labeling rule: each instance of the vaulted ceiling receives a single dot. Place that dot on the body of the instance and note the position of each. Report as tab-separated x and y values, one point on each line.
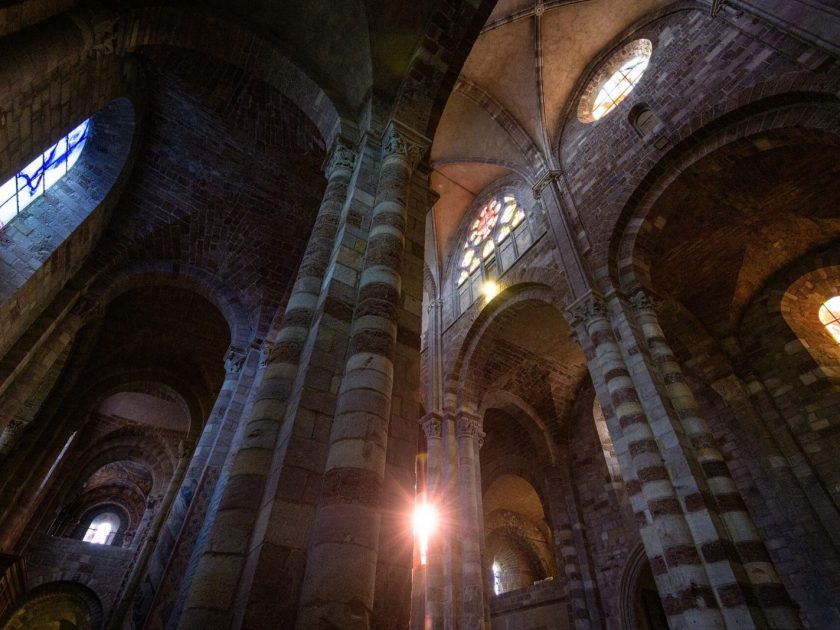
506	113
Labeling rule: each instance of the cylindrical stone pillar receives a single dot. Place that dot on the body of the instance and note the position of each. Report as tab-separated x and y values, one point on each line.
770	595
685	589
433	428
189	486
339	583
210	597
468	434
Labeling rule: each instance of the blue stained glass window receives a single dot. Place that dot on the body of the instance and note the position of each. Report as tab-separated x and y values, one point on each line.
35	178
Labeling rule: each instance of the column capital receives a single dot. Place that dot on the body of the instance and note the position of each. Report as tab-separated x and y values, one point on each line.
342	158
590	306
403	141
644	302
432	424
548	177
468	425
234	359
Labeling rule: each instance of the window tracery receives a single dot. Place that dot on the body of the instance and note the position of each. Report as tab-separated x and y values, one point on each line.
34	179
497	237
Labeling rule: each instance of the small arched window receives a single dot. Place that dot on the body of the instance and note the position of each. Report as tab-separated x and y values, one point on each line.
40	174
830	317
499	235
102	529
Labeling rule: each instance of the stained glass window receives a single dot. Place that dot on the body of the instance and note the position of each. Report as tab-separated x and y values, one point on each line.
830	317
497	237
38	176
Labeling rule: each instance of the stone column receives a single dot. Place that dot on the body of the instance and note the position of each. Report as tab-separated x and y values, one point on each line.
181	506
339	584
681	579
468	434
769	593
211	594
434	613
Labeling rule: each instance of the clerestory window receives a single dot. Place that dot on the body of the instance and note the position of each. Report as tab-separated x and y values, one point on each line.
615	80
498	237
830	317
38	176
102	529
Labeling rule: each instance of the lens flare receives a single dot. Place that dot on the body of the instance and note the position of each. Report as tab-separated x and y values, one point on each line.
425	522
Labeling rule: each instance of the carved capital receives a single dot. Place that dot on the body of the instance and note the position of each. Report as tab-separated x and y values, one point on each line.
267	352
433	304
546	180
343	158
402	142
585	309
643	302
432	426
468	425
234	359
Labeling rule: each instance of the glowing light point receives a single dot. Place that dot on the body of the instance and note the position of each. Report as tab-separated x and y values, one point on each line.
490	290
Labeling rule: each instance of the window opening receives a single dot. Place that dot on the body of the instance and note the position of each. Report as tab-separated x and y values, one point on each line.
614	82
102	529
40	174
830	317
497	578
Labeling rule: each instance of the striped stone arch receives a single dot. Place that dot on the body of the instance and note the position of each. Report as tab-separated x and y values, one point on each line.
785	111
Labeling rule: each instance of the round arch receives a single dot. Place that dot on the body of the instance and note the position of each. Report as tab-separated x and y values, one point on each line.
56	602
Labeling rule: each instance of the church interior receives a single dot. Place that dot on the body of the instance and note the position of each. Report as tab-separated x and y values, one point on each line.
430	315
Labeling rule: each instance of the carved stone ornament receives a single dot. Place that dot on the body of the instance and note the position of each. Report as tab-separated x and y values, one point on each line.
468	426
234	359
586	309
643	302
546	180
266	353
398	142
432	426
342	158
433	304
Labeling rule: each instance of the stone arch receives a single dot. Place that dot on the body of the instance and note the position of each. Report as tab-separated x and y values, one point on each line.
107	288
528	417
635	565
134	444
510	296
796	109
54	602
208	34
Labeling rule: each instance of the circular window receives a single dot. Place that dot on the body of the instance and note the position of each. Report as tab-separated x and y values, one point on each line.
615	80
830	317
